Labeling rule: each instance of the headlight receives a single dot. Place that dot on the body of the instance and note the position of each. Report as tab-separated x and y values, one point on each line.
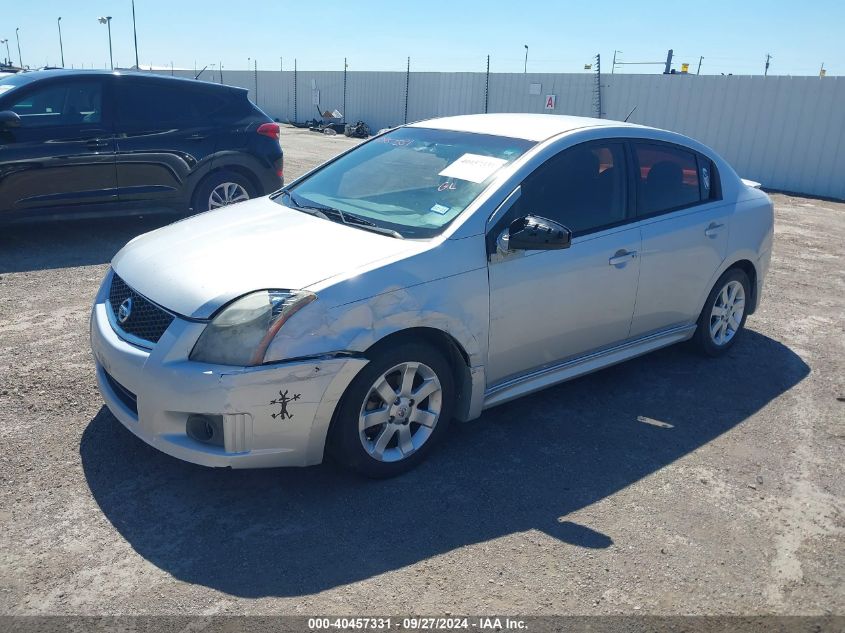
241	332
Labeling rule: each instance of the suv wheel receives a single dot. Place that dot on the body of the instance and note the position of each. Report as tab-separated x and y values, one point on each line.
394	412
724	313
220	189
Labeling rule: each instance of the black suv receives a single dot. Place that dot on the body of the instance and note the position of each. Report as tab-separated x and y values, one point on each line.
85	143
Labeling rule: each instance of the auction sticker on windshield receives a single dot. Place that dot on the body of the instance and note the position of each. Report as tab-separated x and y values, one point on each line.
473	167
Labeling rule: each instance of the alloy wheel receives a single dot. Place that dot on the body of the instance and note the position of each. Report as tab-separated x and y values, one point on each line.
726	315
226	193
400	411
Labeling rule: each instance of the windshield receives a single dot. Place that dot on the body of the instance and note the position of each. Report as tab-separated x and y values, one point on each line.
413	181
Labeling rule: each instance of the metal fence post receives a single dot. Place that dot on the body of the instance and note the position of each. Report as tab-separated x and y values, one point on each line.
487	86
407	85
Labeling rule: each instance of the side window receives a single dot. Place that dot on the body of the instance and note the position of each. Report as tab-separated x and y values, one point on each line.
583	188
667	178
71	103
148	104
708	176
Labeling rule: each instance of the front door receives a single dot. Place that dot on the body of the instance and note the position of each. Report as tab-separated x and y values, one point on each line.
62	156
548	306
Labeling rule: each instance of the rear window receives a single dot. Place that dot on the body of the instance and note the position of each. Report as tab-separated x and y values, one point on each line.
667	178
150	103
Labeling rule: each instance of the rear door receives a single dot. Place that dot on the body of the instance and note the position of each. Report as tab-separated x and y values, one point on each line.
685	227
61	158
164	136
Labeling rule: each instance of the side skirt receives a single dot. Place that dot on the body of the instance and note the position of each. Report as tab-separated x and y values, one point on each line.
548	376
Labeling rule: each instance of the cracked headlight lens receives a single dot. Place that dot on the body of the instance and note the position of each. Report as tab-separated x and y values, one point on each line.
240	333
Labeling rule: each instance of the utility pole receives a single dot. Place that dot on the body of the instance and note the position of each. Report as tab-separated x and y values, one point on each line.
294	90
700	59
766	70
613	67
61	48
18	37
525	68
107	21
135	34
668	68
221	72
255	61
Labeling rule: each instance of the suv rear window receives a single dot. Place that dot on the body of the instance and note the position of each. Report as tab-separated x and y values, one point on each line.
150	103
667	178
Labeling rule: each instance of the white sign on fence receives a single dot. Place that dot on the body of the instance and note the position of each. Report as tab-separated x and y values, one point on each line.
550	102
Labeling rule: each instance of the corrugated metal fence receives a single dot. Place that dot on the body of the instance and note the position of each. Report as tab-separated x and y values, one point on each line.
786	132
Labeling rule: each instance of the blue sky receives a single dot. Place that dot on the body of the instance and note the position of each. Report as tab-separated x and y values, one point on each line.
448	36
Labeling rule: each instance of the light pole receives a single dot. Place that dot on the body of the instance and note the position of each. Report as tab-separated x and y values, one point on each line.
107	21
135	34
8	54
525	68
17	35
61	48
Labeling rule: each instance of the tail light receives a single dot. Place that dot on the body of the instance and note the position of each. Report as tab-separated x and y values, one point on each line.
270	130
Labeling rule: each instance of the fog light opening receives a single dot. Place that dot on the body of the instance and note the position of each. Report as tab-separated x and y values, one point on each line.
206	429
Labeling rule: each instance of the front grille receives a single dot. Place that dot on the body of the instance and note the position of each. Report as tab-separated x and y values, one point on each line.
123	394
146	320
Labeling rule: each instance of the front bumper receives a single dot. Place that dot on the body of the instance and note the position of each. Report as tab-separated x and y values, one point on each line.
273	415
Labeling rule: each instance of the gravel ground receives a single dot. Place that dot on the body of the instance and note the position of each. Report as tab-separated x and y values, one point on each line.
669	484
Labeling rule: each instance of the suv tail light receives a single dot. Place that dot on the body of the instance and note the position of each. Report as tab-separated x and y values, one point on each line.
269	129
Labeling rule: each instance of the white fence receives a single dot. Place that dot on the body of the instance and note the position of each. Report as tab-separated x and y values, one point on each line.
786	132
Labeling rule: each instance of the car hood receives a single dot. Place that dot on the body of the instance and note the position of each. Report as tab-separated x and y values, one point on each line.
194	266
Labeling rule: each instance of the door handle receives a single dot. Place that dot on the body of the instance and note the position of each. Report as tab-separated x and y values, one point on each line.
97	143
621	257
713	229
197	137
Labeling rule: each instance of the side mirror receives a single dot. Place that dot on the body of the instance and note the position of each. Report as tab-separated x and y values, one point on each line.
9	119
533	233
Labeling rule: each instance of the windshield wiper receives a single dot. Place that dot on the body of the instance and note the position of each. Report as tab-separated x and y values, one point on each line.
330	213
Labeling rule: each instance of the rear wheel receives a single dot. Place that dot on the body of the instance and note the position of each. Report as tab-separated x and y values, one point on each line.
394	412
724	314
220	189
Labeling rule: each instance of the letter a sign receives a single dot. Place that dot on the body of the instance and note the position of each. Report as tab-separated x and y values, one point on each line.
550	102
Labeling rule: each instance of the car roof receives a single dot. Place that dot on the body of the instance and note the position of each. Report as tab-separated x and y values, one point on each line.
36	75
531	127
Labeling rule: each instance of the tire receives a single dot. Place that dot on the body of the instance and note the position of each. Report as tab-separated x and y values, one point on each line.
716	333
219	183
412	427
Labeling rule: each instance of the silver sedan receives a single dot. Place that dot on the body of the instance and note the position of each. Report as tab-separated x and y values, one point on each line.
434	271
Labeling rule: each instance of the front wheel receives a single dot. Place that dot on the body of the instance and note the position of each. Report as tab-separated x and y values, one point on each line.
394	411
724	314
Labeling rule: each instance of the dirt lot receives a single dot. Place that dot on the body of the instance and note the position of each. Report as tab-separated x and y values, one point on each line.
669	484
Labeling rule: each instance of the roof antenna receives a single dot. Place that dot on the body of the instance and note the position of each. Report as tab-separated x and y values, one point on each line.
201	72
629	114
